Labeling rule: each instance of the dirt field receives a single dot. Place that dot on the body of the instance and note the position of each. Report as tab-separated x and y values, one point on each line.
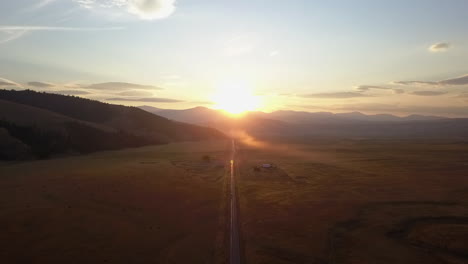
148	205
355	202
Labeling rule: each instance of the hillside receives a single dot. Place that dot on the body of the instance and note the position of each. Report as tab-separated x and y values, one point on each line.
50	124
196	115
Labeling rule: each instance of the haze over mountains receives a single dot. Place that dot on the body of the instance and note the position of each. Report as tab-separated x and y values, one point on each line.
201	114
40	125
324	124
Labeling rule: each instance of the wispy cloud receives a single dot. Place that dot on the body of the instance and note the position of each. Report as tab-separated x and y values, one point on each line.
429	93
406	109
121	86
398	108
41	84
9	33
144	9
146	100
334	95
47	28
7	36
364	88
135	93
439	47
462	80
415	83
40	4
71	92
8	83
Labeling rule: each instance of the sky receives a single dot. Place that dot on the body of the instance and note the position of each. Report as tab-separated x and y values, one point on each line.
373	56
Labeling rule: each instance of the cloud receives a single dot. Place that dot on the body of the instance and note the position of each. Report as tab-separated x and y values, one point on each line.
46	28
41	84
135	93
41	4
428	93
7	36
394	109
415	83
151	9
8	83
144	9
120	86
365	88
334	95
71	92
462	80
439	47
147	100
9	33
3	83
89	4
397	108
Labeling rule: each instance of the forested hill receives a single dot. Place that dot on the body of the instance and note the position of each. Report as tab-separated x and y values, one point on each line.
34	124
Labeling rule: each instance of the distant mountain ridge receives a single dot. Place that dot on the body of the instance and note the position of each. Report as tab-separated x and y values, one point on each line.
289	124
200	115
50	124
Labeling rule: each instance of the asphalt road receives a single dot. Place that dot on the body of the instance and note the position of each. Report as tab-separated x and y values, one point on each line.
235	256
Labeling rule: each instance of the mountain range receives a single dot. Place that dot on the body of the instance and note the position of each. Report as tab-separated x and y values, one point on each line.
290	124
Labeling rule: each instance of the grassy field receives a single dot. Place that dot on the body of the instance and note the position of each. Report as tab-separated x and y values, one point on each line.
324	202
355	202
148	205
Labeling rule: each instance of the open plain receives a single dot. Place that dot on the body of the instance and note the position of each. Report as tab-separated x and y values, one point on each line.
327	201
147	205
358	201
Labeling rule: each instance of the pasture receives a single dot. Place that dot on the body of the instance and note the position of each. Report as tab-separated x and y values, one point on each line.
355	201
158	204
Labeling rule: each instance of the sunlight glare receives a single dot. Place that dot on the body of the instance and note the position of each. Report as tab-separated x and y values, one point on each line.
235	98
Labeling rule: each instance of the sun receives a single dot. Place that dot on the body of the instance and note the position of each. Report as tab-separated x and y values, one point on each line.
235	98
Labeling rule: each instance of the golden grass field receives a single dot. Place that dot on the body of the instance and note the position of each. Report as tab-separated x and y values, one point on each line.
158	204
325	202
355	202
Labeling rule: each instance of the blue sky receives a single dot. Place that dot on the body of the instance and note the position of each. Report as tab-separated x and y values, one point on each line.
298	54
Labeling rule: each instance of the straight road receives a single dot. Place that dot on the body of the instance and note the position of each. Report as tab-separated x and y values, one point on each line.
234	229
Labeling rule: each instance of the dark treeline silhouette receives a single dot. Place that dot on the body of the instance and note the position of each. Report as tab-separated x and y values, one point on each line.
56	124
76	138
42	144
72	106
86	139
